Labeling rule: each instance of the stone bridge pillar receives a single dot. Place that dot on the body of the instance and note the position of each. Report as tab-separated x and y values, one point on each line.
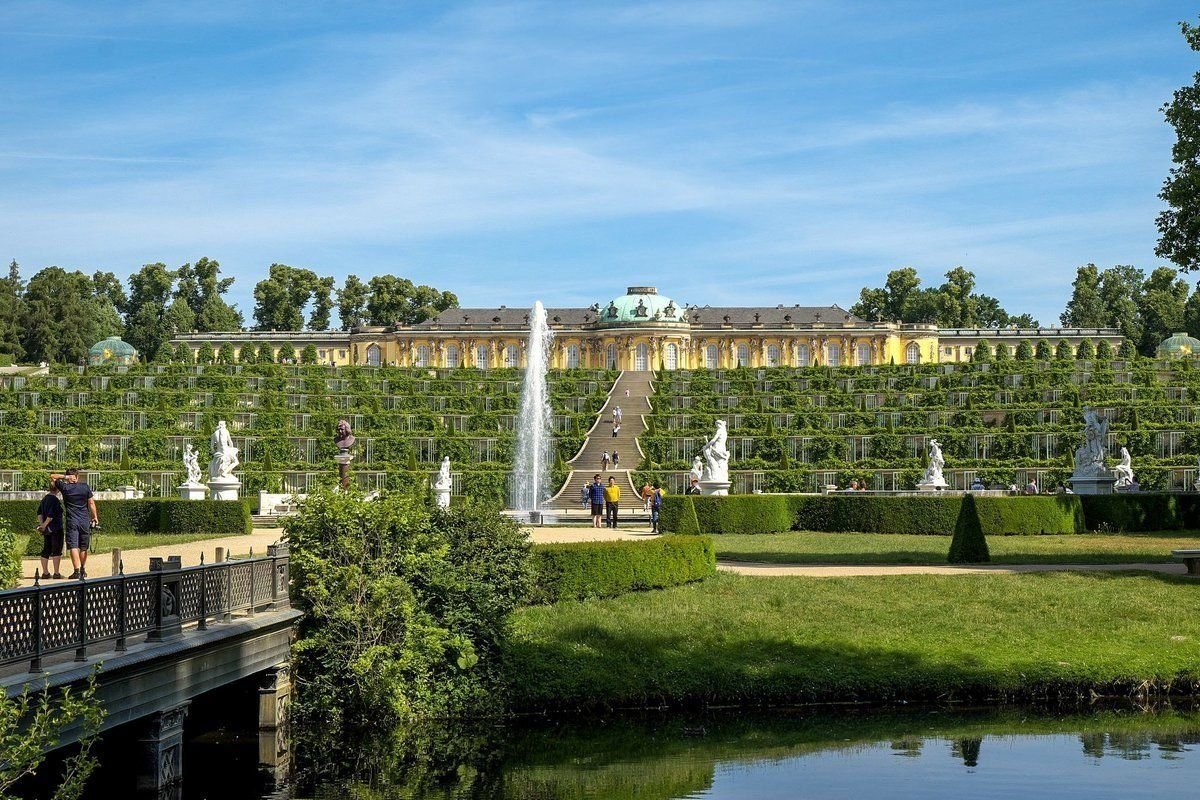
274	694
161	771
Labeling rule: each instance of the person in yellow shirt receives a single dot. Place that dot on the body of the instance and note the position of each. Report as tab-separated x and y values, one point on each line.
612	497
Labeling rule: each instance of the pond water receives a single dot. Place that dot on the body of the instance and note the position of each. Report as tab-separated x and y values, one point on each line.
841	753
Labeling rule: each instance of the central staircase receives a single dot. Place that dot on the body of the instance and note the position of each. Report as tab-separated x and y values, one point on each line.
588	461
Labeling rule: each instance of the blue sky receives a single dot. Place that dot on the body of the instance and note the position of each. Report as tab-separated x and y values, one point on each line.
729	151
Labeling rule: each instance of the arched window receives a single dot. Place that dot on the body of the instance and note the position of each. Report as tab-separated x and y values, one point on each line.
912	353
772	355
863	355
572	356
512	356
374	356
482	356
451	356
833	355
422	355
671	356
743	355
642	358
610	356
710	356
803	358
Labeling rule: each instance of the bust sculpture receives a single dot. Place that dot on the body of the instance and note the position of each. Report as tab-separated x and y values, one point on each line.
191	463
225	455
716	457
343	438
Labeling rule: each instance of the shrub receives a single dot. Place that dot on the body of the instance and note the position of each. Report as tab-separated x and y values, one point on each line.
582	570
1140	512
1025	351
1005	516
969	545
1043	352
1104	351
678	515
12	547
1085	351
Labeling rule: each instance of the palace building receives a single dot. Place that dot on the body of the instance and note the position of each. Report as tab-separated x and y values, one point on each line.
644	330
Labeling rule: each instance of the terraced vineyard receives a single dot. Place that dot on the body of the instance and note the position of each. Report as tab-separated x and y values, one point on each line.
1007	422
129	425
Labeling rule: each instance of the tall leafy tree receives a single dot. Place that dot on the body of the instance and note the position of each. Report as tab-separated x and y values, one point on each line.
954	304
12	312
65	315
1121	290
1179	224
1163	306
280	300
149	295
1086	308
352	302
393	299
322	305
201	286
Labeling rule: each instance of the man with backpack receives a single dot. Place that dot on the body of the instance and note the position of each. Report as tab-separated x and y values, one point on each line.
656	501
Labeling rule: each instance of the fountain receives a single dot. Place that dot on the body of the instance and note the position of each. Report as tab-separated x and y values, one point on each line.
535	443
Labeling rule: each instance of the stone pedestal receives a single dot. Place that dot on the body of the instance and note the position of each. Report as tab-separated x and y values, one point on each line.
193	491
933	486
225	488
442	496
129	492
1099	484
343	460
162	752
714	488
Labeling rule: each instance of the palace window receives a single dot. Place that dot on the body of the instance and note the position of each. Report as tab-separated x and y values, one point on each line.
863	355
833	355
481	356
451	356
912	353
642	358
803	359
743	355
610	356
512	356
422	355
710	356
572	356
772	355
374	356
671	356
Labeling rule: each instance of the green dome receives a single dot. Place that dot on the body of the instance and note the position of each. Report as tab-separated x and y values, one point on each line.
112	351
1178	345
641	305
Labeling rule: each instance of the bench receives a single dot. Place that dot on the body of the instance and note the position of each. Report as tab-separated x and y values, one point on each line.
1191	559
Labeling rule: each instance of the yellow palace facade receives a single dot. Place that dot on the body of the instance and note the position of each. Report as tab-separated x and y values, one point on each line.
644	330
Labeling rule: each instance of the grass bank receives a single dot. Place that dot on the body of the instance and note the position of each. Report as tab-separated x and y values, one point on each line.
896	548
754	641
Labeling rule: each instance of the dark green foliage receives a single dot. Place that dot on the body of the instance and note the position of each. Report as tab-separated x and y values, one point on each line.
1025	350
969	545
1044	352
1104	351
405	612
1085	351
12	548
982	352
225	355
309	354
582	570
205	353
286	354
137	516
1063	351
1179	224
1006	516
1144	511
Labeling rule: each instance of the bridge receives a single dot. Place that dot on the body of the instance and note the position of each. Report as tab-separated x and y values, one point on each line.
155	641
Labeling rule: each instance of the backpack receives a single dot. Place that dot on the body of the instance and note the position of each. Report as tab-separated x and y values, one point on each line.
656	501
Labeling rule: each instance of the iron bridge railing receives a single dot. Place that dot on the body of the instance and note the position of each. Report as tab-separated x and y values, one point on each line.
40	620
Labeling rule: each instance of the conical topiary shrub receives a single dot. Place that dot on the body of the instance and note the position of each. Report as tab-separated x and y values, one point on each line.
969	545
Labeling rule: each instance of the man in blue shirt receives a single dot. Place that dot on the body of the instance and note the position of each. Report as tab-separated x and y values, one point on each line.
596	497
79	517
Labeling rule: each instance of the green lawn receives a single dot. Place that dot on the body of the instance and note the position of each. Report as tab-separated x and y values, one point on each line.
740	640
106	542
879	548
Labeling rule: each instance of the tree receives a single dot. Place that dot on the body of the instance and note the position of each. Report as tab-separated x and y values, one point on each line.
968	545
280	300
352	302
12	312
1085	351
205	353
397	300
149	294
265	354
33	723
1162	310
225	354
204	295
286	353
247	354
1127	349
982	353
183	353
64	316
1085	309
1179	224
309	354
1044	353
954	304
1002	353
1104	351
1121	290
322	305
1063	351
1025	350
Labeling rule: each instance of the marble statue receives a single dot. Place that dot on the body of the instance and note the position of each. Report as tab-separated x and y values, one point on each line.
225	455
343	439
191	463
716	457
933	473
1123	472
1089	457
697	470
442	484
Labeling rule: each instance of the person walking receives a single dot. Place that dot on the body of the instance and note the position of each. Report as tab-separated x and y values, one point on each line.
647	492
604	462
612	499
616	459
50	526
617	417
656	501
79	516
616	429
596	497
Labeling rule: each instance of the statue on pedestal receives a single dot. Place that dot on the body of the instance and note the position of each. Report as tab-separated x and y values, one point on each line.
343	438
715	480
1123	471
225	455
443	484
1089	457
933	478
191	463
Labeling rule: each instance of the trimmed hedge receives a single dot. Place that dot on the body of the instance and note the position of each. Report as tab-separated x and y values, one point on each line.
969	545
936	515
139	516
1141	512
582	570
